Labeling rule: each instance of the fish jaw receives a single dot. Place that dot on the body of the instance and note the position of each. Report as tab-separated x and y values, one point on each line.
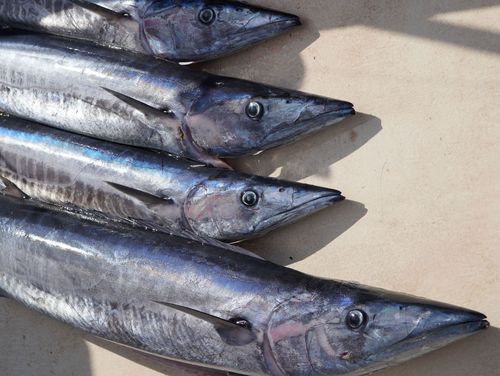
416	345
307	200
275	23
319	114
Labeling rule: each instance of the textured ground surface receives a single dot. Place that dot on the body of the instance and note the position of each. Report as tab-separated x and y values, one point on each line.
419	165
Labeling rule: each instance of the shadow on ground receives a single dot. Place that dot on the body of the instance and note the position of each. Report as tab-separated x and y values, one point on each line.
38	345
281	56
315	154
302	239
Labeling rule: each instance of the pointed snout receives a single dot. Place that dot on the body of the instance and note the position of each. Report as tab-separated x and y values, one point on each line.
316	113
449	320
283	21
327	111
305	200
275	21
312	197
428	316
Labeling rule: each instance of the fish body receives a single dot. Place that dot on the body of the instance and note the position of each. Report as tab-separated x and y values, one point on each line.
206	306
179	31
146	102
156	189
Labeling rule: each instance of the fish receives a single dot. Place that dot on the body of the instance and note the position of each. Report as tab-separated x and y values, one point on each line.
153	189
177	31
208	307
145	102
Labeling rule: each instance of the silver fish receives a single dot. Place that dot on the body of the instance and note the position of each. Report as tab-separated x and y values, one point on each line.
207	306
140	101
179	31
155	189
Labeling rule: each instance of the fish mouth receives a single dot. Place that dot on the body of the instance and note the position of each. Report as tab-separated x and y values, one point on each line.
260	33
423	342
302	209
334	112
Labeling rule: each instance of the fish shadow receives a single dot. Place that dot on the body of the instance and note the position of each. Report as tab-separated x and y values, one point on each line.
156	363
315	154
300	240
35	345
478	355
278	61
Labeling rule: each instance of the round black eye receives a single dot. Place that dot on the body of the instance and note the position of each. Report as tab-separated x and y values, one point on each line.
207	16
250	198
355	319
255	110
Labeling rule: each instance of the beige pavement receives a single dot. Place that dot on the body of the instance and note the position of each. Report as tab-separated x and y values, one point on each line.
419	164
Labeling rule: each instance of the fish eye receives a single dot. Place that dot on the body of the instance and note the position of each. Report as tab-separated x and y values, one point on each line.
355	319
255	110
249	198
206	16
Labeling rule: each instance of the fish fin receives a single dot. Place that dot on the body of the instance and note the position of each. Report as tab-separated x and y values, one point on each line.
149	199
10	189
196	153
235	332
146	109
100	10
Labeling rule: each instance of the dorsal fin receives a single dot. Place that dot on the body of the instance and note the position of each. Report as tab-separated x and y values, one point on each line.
235	332
149	199
10	189
146	109
100	10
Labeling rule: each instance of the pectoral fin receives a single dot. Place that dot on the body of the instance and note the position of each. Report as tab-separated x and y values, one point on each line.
10	189
192	151
235	332
148	199
100	10
146	109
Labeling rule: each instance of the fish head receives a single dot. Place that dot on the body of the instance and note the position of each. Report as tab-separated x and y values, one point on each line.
233	207
235	117
196	30
362	330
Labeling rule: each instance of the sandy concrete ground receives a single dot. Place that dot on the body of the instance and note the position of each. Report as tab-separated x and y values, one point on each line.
419	165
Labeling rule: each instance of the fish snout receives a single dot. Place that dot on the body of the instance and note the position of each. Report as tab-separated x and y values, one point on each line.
329	108
274	21
304	201
448	318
